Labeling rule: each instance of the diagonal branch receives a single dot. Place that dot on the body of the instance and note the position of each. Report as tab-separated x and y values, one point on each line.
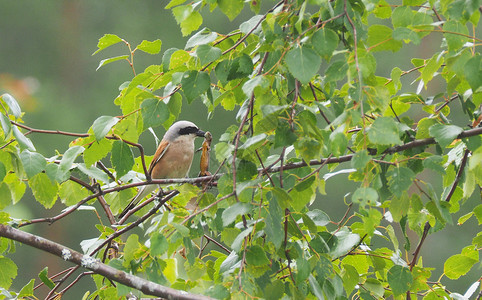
90	263
427	226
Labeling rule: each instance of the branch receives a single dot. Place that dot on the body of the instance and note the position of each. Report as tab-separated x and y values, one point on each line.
427	226
90	263
271	169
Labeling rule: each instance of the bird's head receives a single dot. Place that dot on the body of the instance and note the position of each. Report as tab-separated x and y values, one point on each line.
183	128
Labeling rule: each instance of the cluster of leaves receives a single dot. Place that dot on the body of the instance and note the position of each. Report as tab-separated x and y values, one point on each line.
266	242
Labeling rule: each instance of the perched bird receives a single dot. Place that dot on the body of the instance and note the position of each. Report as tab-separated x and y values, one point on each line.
172	159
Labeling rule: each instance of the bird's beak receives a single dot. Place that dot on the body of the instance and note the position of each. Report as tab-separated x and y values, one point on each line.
200	133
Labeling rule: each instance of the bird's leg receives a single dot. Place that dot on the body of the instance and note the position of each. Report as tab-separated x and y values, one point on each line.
148	177
159	196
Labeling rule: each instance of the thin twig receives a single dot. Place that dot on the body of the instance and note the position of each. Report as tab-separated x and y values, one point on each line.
264	171
217	243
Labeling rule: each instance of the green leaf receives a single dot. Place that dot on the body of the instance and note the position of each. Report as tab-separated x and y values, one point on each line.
187	18
159	244
337	70
231	8
338	141
207	54
121	158
132	245
455	41
27	290
248	26
22	140
350	278
67	160
8	271
273	228
399	206
283	198
258	83
239	67
229	263
384	131
400	179
365	196
473	72
303	63
106	41
423	127
223	151
319	217
12	104
238	241
117	201
177	59
458	265
154	112
94	172
103	125
195	83
254	142
402	16
201	38
284	135
153	47
44	190
432	66
33	162
400	279
230	213
360	159
464	218
16	186
173	3
325	41
346	241
407	35
5	195
435	163
303	268
3	171
478	213
110	60
71	193
256	256
308	148
380	39
315	287
6	125
96	151
444	134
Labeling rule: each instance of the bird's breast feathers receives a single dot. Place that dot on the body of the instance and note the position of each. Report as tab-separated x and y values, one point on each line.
176	160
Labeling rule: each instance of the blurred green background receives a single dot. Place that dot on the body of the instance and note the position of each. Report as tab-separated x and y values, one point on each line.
46	64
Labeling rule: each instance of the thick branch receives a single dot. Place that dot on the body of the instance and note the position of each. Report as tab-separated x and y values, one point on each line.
145	286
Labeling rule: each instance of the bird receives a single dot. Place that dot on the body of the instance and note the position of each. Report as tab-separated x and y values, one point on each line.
173	157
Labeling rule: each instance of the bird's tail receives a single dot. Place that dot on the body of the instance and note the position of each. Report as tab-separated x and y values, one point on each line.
144	191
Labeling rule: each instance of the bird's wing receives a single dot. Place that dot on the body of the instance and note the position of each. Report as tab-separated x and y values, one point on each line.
161	150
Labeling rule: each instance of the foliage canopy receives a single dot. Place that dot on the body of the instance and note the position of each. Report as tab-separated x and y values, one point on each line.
302	78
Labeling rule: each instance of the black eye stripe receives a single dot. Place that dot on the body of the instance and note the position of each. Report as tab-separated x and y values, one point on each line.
188	130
